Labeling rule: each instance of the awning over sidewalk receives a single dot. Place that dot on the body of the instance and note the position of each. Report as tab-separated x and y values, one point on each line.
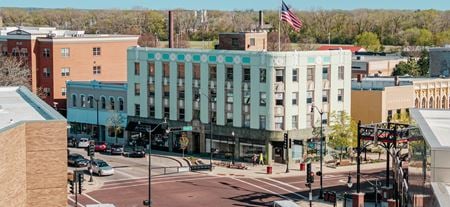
134	126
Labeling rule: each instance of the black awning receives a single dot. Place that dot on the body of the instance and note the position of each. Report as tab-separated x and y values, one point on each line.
134	126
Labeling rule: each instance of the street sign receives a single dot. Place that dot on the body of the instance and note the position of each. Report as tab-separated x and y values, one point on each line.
187	128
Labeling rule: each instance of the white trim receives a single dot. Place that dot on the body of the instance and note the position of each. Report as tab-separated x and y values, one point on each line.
89	39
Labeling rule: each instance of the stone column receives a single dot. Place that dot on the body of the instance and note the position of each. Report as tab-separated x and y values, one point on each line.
358	200
269	153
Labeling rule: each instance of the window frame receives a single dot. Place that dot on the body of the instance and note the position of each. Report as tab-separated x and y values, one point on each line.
96	51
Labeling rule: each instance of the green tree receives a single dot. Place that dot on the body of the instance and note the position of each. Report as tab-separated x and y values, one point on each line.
342	132
442	38
424	63
368	40
114	123
417	37
407	68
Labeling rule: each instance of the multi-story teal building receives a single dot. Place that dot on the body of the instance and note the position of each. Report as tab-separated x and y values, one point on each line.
252	97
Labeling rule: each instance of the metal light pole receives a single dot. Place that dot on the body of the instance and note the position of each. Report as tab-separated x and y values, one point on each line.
232	155
321	148
150	130
211	137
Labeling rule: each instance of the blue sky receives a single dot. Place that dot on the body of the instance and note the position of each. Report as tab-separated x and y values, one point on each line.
231	4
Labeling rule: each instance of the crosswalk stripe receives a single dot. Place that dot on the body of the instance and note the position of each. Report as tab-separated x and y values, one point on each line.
301	196
265	189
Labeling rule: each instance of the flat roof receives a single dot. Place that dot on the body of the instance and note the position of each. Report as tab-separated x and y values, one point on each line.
365	58
19	104
434	125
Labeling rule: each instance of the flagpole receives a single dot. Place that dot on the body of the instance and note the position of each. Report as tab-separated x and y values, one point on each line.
279	27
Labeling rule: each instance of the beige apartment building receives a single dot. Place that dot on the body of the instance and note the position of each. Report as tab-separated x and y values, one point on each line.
377	99
33	151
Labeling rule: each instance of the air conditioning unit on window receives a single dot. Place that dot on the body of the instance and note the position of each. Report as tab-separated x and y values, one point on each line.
180	82
196	83
166	81
229	85
151	80
212	84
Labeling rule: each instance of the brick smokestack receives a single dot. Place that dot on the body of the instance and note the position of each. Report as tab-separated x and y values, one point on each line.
170	29
261	19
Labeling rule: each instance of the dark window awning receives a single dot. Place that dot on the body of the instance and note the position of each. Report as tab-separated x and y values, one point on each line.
134	126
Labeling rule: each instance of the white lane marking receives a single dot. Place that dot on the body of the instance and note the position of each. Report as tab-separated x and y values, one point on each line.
136	182
154	183
79	204
286	184
256	186
127	179
124	173
90	197
304	197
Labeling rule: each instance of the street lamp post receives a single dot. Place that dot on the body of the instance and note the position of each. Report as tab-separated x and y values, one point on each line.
321	147
150	130
234	141
349	185
210	129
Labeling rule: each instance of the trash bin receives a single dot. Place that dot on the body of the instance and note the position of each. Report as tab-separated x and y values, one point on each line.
269	169
302	166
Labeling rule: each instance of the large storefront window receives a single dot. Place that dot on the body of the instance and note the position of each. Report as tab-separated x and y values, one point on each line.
419	168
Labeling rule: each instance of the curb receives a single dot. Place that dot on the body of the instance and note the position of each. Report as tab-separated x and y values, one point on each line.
174	159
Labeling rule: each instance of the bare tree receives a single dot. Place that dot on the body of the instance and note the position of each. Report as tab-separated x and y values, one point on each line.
14	72
272	42
115	122
148	40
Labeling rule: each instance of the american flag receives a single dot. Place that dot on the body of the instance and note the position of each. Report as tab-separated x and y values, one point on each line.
288	16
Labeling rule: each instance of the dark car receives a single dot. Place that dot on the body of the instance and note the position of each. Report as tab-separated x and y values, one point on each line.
100	146
71	142
77	160
115	149
137	153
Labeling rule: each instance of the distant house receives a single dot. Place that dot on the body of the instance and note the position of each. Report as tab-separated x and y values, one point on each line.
352	48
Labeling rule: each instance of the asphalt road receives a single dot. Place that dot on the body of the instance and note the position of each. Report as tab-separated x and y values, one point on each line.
198	189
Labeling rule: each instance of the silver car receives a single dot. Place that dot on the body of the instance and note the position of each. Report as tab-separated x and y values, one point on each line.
101	168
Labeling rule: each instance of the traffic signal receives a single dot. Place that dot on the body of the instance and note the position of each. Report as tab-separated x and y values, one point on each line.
318	173
309	174
290	143
286	140
91	149
72	187
80	182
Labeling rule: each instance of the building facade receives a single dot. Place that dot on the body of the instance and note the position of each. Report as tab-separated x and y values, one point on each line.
440	62
56	56
371	65
33	153
95	109
252	98
379	99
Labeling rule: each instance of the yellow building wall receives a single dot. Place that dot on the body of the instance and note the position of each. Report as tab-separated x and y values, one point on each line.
367	106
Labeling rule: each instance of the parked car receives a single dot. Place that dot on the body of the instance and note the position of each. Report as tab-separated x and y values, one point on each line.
138	153
83	142
115	149
100	146
101	168
77	160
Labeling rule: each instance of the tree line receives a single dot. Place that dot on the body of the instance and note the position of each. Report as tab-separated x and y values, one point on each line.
389	27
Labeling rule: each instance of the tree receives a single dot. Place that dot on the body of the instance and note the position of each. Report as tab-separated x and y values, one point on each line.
14	72
114	123
424	63
442	38
342	132
369	41
417	37
272	42
184	142
402	118
407	68
148	40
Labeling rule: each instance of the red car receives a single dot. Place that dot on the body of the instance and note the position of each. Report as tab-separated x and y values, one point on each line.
100	147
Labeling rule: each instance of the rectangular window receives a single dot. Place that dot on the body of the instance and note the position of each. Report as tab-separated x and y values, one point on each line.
137	109
151	90
151	69
279	99
294	98
389	116
63	91
262	98
246	121
96	51
246	74
97	70
180	70
196	68
262	122
137	89
229	70
295	75
340	95
252	42
310	72
65	52
229	118
279	73
166	112
234	42
309	97
341	72
181	114
295	122
151	111
325	119
325	95
309	119
137	68
262	75
47	92
166	69
212	72
65	71
229	96
325	72
279	122
46	72
45	52
399	112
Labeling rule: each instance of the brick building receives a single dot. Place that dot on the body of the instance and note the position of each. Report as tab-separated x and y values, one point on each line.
56	56
33	153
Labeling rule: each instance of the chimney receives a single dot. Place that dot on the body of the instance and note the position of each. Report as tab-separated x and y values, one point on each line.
261	19
170	29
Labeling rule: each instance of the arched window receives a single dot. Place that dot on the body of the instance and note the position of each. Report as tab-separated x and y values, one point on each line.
416	104
91	102
438	102
121	104
430	105
83	101
424	103
111	103
443	104
103	102
74	100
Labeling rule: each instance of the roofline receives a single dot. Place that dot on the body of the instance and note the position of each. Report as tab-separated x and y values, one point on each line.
425	129
48	112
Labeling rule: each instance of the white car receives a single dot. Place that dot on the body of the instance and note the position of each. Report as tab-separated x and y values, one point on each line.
101	168
83	142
